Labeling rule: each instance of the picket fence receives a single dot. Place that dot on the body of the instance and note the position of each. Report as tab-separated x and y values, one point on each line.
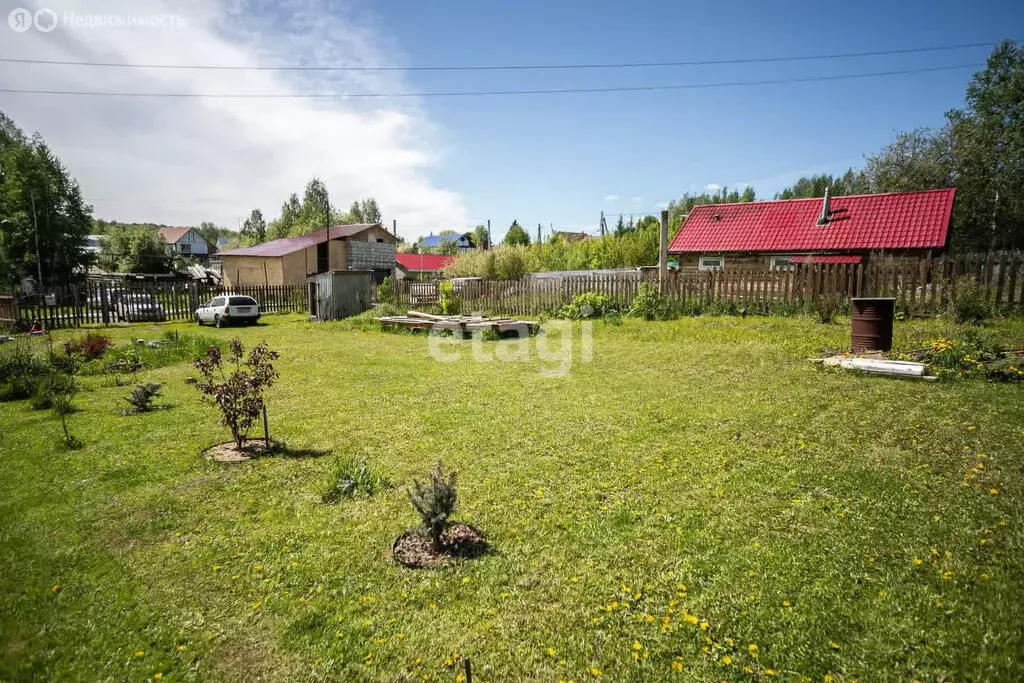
105	303
920	287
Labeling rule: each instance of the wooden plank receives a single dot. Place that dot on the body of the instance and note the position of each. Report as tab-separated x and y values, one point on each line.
1000	276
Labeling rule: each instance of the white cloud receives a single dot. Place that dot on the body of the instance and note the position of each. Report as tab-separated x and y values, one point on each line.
611	197
637	200
185	160
662	205
712	187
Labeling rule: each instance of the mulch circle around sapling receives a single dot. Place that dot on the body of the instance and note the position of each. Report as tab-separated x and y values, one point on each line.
231	453
414	549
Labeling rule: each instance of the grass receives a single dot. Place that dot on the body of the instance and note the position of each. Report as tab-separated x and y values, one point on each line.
847	526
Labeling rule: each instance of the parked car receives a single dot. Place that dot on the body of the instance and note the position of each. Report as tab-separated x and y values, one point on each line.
229	309
139	307
113	294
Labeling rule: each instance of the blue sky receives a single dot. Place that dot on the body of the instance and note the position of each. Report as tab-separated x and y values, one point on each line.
554	158
453	162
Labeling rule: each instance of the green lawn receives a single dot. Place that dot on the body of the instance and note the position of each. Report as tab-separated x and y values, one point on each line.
828	523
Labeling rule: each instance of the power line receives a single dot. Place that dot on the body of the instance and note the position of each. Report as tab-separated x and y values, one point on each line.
478	93
506	67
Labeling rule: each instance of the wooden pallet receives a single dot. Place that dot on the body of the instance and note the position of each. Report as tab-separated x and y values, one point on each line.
466	324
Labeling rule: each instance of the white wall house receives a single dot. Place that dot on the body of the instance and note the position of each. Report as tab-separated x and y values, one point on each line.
186	241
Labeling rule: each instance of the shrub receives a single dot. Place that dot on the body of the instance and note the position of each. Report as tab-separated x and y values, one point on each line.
20	370
449	299
351	476
827	307
649	304
967	301
435	501
141	398
90	347
587	305
386	291
49	387
238	392
964	357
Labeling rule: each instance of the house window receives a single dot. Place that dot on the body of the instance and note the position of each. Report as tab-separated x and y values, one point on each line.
785	261
711	263
185	248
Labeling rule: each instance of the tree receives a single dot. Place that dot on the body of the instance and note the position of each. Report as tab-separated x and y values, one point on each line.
677	210
238	388
283	225
369	211
480	237
129	249
210	232
851	182
448	247
254	230
39	198
620	227
316	207
516	235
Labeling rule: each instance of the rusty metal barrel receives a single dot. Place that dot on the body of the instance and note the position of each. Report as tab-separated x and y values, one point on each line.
871	328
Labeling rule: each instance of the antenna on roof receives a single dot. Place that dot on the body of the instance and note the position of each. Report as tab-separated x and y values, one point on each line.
826	213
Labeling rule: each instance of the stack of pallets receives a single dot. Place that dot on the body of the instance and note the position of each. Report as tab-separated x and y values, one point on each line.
466	324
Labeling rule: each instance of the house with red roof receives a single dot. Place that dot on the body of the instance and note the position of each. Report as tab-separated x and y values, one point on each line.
290	260
187	242
822	230
420	266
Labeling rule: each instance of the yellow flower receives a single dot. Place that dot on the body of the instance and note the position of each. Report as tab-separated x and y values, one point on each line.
947	575
595	672
690	619
785	603
835	645
994	492
637	645
465	579
158	675
727	660
917	562
984	577
551	652
677	666
140	653
181	648
704	626
752	648
829	678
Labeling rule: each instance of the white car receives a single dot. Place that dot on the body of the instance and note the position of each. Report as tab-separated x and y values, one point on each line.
229	309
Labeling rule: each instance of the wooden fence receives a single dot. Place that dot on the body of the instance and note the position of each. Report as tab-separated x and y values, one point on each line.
920	287
106	303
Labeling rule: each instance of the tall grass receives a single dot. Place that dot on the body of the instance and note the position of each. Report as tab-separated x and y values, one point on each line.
637	248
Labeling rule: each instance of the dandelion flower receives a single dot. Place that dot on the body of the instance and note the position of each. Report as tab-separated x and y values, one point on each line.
994	492
181	648
947	575
835	645
727	660
158	675
677	666
690	619
595	672
785	603
752	649
917	562
551	652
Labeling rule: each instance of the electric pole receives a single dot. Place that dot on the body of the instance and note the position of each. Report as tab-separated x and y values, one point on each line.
538	233
489	233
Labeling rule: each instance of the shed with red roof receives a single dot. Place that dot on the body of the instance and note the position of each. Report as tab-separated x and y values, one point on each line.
823	230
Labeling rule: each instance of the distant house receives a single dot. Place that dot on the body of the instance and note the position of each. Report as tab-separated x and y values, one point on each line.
361	246
420	266
822	230
187	242
463	242
571	236
93	244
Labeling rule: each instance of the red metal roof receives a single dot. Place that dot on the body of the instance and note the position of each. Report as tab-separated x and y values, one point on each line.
424	262
287	245
902	220
827	258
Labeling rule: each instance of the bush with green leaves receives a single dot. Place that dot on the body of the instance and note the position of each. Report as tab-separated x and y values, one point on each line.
141	398
435	501
386	291
826	307
236	384
649	304
51	386
967	302
450	302
351	476
586	306
20	370
90	347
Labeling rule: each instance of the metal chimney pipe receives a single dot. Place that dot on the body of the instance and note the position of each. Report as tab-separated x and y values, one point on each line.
826	212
